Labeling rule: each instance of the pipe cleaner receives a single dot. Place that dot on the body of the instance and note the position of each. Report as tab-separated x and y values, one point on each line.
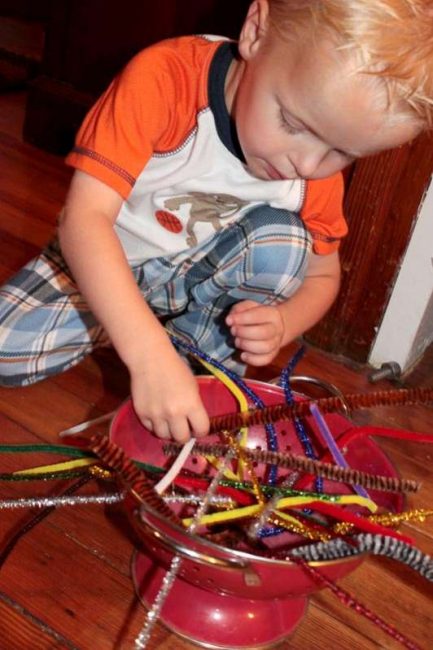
288	502
303	436
245	388
366	542
277	412
349	600
332	445
331	472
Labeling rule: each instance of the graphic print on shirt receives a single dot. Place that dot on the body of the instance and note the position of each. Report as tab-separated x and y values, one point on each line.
211	208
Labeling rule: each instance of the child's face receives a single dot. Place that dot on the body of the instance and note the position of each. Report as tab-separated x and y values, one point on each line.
301	112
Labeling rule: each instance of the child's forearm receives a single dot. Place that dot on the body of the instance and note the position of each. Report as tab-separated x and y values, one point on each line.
97	261
307	306
99	266
313	299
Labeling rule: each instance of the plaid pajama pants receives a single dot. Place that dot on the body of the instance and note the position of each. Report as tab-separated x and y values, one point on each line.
47	327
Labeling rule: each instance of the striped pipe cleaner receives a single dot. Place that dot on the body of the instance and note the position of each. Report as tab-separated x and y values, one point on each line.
306	465
277	412
366	542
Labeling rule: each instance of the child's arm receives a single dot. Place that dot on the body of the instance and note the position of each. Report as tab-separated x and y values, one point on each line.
260	331
164	391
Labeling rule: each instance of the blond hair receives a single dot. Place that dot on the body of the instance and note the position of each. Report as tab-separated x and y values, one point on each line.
393	39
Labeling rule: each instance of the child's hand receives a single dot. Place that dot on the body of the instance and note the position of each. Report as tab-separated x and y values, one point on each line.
258	331
167	400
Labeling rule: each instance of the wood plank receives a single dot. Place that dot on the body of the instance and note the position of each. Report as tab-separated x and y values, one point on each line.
101	379
67	590
12	114
20	629
45	408
22	38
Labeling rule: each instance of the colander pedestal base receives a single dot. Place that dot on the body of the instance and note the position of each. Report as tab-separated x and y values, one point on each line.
215	620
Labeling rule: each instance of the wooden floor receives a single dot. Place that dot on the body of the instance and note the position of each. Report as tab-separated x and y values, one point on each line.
67	584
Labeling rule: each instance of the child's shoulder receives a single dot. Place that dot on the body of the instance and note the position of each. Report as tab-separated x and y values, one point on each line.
185	51
174	70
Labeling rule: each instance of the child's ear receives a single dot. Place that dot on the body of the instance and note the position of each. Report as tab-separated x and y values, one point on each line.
254	29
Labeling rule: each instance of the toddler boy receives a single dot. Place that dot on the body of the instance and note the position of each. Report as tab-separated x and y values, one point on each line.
208	191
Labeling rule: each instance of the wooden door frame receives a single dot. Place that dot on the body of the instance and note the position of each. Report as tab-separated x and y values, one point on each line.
383	195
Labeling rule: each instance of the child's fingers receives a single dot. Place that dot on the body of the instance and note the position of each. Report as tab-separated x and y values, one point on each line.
253	332
176	428
257	359
182	427
147	424
179	429
253	316
240	308
261	346
161	428
199	422
243	305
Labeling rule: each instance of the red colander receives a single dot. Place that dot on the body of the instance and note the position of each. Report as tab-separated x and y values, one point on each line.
225	598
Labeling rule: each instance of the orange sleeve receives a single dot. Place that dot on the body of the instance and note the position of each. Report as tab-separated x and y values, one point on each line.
322	213
150	107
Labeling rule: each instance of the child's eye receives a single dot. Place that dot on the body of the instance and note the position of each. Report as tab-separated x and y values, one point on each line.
290	125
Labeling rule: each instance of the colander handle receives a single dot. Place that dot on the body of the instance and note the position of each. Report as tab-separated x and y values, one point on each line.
332	389
170	544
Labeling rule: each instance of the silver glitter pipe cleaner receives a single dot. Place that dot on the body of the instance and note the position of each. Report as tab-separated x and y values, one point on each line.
154	612
55	501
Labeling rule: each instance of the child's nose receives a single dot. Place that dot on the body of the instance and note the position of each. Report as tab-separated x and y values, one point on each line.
308	160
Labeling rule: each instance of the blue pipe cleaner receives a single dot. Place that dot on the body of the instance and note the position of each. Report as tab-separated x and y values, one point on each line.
303	436
257	401
271	532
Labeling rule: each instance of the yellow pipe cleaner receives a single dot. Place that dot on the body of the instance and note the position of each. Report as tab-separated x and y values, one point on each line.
243	407
57	467
287	502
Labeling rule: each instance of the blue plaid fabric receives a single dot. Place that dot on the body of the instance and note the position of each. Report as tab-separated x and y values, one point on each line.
47	327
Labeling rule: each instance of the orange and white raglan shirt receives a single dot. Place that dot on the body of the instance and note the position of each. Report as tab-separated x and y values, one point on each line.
161	136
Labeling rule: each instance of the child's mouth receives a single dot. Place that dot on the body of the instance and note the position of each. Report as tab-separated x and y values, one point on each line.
274	174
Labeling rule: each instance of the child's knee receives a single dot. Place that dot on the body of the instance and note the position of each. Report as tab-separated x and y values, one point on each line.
278	243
